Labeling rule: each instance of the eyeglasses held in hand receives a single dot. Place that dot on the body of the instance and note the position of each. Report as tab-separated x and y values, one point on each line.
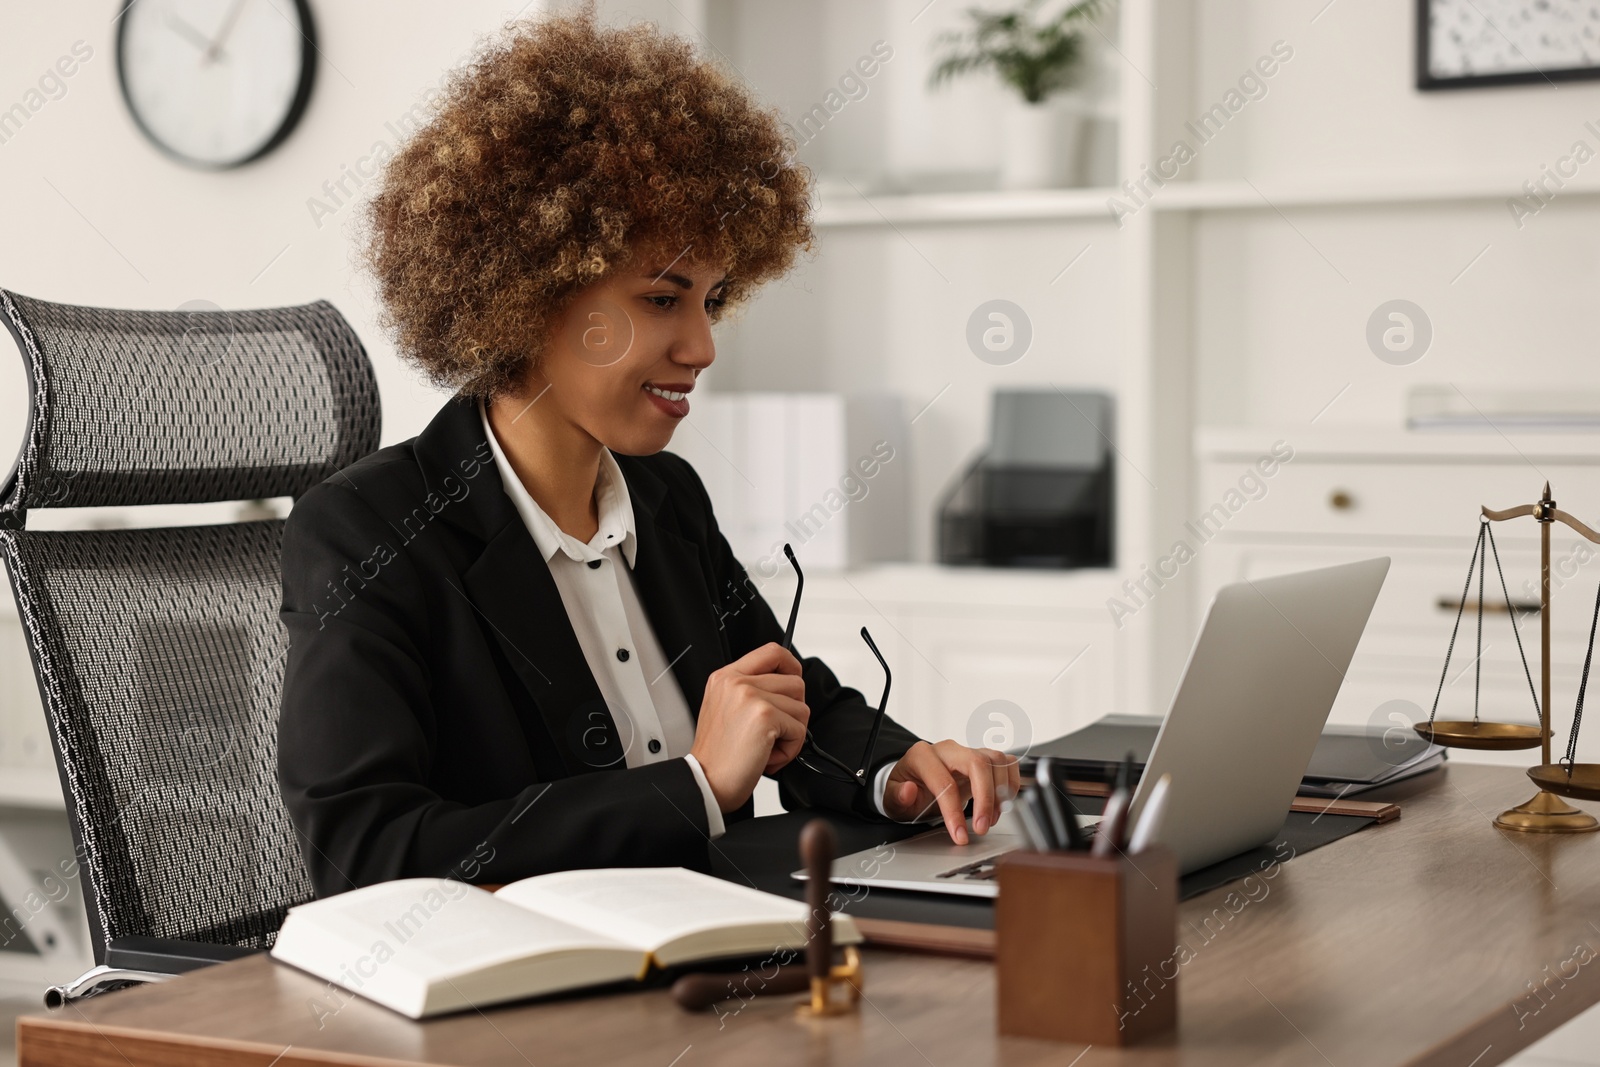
811	755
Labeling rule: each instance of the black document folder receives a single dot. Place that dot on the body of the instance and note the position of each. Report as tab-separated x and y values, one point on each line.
1347	760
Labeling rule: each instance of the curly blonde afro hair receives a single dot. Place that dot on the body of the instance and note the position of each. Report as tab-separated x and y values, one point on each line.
560	153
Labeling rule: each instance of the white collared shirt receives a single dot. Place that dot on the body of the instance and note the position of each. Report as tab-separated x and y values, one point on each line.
602	603
620	646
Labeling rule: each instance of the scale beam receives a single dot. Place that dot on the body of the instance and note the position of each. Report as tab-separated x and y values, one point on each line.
1562	516
1511	513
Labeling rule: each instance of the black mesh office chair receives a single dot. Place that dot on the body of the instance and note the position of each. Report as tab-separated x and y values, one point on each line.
158	652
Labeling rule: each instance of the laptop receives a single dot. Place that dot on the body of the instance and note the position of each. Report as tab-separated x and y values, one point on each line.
1248	712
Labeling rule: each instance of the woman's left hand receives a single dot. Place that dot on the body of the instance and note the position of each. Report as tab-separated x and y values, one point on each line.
946	775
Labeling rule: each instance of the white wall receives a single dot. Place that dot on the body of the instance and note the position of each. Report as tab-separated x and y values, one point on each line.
1278	331
1282	300
1345	103
96	215
900	131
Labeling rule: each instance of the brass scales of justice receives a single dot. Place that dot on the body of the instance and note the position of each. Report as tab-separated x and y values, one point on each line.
1546	812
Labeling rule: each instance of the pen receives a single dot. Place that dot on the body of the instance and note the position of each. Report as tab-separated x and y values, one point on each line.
1076	838
1057	823
1107	838
1150	819
1032	825
1124	778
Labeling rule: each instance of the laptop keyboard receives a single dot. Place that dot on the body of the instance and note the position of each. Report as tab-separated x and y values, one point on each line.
984	870
976	871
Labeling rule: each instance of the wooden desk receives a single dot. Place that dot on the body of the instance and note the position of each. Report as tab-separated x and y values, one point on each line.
1418	942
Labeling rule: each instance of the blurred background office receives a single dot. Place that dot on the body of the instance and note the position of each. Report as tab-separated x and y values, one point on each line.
1253	286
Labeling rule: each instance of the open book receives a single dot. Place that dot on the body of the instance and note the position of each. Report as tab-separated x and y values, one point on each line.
423	946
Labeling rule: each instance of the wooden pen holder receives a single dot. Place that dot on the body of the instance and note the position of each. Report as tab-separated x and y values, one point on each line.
1085	947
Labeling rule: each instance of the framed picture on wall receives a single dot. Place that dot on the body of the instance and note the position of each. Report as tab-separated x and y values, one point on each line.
1462	44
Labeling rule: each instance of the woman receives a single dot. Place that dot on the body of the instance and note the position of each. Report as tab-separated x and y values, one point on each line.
518	642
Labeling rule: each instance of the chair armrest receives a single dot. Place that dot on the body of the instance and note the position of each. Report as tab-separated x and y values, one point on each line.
169	955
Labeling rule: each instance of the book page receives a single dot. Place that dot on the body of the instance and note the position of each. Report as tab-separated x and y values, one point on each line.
650	906
432	928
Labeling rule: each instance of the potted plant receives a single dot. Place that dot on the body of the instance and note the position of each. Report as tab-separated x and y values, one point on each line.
1039	57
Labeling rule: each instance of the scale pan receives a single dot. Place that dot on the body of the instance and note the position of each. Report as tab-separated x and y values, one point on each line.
1497	735
1583	783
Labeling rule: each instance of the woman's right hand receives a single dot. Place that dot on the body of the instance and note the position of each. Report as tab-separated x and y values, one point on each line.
752	722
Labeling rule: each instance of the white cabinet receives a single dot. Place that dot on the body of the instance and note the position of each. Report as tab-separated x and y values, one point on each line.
1005	681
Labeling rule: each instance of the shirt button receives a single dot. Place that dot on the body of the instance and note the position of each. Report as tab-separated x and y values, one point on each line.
654	746
594	564
622	654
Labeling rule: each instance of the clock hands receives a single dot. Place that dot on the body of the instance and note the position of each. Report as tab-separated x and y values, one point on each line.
210	48
215	48
183	29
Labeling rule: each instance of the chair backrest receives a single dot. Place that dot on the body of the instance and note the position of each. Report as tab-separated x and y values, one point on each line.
158	653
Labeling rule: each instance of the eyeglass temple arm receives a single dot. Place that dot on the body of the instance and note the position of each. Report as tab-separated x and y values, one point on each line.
883	702
794	609
788	644
834	760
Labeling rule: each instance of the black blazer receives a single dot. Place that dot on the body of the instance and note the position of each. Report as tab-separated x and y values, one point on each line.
438	716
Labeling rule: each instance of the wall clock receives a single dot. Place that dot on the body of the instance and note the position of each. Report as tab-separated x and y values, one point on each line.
216	83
